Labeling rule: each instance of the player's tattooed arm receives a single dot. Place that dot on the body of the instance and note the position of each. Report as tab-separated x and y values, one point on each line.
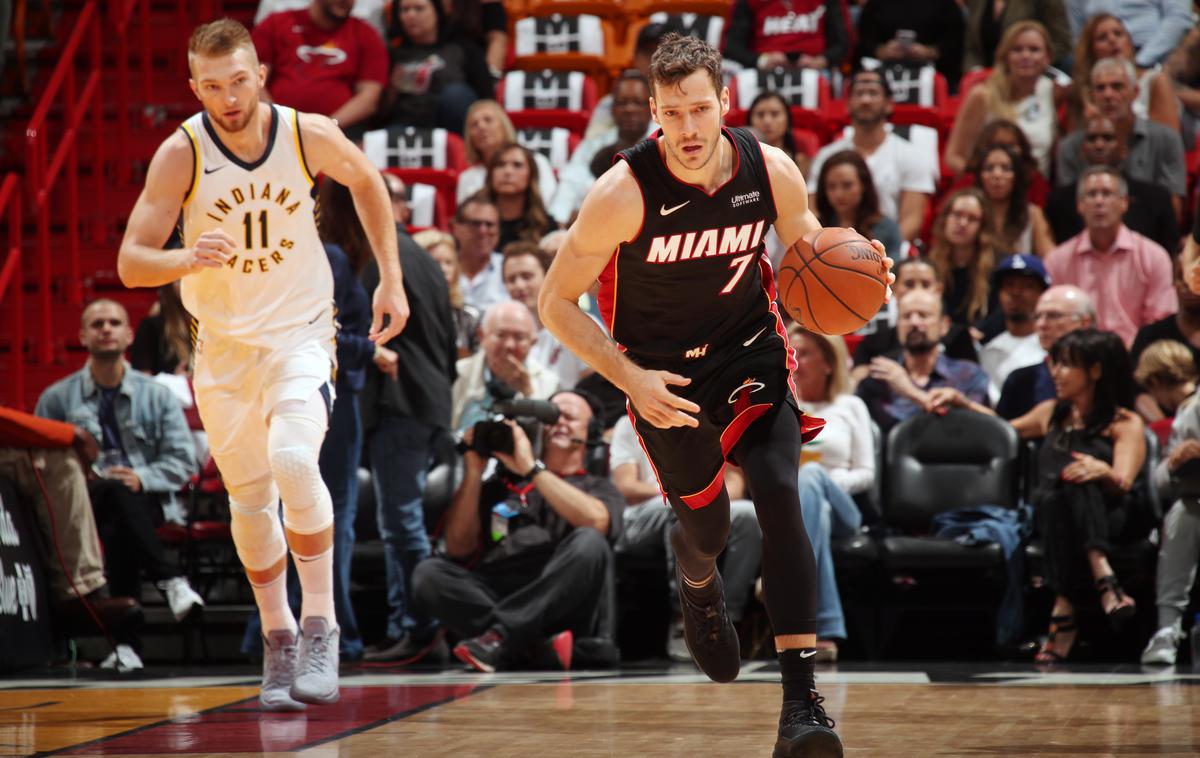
141	260
329	152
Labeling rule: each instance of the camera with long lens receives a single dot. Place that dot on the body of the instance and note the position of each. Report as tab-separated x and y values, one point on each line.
493	435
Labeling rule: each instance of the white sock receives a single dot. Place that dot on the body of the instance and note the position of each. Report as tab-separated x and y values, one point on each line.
273	605
316	580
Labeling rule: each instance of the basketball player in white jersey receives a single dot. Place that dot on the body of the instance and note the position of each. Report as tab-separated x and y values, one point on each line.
256	280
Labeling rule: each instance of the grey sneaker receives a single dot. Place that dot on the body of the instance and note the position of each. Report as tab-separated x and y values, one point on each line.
279	669
317	672
1162	647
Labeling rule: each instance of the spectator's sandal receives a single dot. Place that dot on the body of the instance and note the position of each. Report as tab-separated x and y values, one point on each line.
1058	625
1122	611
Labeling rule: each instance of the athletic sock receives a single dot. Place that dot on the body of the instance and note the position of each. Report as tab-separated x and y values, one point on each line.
316	581
273	605
796	668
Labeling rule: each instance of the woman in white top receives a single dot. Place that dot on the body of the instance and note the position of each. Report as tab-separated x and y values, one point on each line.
1104	36
1017	225
1018	90
487	128
839	463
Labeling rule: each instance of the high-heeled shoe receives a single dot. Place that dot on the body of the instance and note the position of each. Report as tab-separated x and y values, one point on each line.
1122	611
1058	625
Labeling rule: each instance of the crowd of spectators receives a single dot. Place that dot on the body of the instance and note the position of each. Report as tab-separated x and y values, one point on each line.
1036	225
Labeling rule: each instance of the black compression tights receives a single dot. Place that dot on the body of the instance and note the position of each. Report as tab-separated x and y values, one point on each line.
769	453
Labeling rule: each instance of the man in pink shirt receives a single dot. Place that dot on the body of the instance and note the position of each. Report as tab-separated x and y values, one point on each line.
320	60
1127	275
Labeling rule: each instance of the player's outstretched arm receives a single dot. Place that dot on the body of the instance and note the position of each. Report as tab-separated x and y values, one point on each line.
329	152
610	215
141	260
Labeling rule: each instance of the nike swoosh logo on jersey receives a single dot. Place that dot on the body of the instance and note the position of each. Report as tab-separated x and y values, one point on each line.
664	210
748	342
807	653
215	170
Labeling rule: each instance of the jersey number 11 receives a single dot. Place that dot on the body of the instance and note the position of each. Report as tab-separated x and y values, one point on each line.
248	222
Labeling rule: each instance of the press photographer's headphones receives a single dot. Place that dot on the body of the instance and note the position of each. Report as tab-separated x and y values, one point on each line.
596	456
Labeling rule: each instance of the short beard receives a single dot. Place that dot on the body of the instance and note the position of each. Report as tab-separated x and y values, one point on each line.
918	343
1020	317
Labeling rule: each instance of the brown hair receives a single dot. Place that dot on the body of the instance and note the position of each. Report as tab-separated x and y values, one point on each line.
1165	362
867	214
1084	58
998	88
833	350
338	223
535	221
526	247
979	270
678	57
177	326
220	37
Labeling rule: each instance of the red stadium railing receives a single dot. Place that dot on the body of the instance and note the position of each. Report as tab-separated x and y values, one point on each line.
10	276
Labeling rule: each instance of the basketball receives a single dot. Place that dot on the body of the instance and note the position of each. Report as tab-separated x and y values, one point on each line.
832	281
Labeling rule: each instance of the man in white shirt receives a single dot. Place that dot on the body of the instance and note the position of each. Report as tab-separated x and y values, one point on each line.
476	228
1019	280
903	179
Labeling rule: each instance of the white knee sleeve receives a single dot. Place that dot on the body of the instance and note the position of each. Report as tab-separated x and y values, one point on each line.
294	440
254	523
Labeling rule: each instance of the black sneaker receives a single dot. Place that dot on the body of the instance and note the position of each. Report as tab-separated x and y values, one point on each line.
708	632
485	652
805	731
410	650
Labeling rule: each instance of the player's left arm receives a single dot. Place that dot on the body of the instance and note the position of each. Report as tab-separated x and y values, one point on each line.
327	151
793	218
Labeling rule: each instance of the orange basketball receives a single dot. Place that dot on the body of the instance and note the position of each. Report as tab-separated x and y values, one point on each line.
832	281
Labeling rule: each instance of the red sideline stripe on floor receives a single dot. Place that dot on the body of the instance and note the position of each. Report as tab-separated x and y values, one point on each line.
243	728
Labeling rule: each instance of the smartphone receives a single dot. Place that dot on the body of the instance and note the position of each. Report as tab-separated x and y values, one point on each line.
906	37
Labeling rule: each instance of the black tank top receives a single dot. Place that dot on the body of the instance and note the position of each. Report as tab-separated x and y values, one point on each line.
696	276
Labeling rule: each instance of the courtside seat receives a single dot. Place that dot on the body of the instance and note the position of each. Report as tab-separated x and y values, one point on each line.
548	98
805	89
415	147
555	143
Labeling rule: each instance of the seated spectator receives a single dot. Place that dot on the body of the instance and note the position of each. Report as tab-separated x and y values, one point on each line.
442	249
771	119
1060	309
771	33
1149	214
1167	371
536	537
601	120
501	370
1018	90
484	22
1019	281
1105	36
846	197
988	20
1154	26
631	114
1184	69
38	452
911	274
834	467
512	184
368	11
525	267
647	520
486	129
476	229
146	455
1015	224
904	182
1088	496
1182	326
398	192
1179	552
898	385
321	60
162	343
1004	132
1128	273
1155	152
913	34
963	255
436	72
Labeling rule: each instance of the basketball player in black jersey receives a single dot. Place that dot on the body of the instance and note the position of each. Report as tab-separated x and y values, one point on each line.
674	232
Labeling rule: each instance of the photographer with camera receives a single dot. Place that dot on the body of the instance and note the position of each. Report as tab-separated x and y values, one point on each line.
1178	470
527	550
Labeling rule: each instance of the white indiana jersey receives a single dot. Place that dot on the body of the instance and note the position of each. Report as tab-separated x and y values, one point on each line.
279	279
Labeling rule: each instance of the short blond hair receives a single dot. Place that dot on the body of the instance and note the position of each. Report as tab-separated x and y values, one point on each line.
220	37
506	124
429	239
833	349
1165	362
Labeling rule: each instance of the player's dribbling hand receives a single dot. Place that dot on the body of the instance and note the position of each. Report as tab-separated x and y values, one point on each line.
887	261
657	404
212	250
389	301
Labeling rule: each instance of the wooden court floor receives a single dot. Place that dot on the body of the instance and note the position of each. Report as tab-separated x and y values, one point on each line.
913	711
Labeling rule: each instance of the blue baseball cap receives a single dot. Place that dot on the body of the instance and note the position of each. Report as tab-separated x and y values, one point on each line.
1028	265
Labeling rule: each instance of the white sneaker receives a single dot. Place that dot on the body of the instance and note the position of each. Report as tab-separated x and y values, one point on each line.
279	671
316	679
1163	647
676	645
124	658
180	596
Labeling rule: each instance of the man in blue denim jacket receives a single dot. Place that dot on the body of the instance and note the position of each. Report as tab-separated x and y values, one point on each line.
147	453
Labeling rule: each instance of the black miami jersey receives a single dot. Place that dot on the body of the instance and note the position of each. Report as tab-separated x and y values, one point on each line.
696	276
